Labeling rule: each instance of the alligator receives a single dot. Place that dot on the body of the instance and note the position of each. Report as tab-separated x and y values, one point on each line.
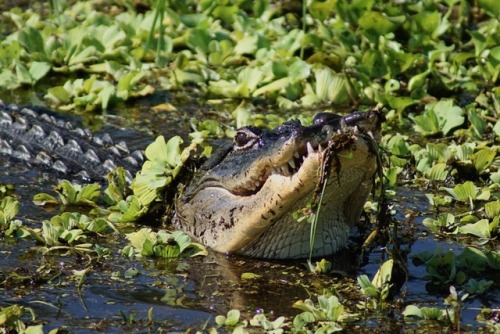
256	196
35	136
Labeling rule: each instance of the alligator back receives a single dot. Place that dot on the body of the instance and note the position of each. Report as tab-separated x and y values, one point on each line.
39	139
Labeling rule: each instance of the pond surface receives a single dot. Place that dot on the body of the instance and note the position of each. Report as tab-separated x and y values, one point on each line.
116	293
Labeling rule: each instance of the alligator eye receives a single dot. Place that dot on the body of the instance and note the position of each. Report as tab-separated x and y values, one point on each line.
244	139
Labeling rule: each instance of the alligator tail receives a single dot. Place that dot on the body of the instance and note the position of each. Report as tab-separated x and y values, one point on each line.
40	139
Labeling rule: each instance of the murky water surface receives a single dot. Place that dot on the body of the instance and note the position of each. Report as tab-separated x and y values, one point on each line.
116	293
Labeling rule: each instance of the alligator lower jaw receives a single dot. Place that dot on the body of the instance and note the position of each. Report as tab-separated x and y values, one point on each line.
245	218
283	169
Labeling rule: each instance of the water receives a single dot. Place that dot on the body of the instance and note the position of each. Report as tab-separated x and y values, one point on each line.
189	292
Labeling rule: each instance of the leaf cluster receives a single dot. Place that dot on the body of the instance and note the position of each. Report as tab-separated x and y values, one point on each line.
161	244
336	51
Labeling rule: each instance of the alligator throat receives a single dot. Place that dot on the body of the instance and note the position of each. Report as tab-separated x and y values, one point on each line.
253	201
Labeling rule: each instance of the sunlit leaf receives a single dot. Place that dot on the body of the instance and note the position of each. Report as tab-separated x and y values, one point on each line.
38	70
492	209
482	159
464	192
480	229
438	172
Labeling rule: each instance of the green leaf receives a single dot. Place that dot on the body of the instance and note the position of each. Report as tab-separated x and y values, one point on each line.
233	317
250	276
496	128
199	39
9	207
38	70
478	123
383	274
247	45
427	123
483	159
299	70
375	24
23	75
473	259
449	116
432	313
31	39
250	78
464	192
443	116
321	9
492	209
330	86
58	95
413	311
302	319
274	86
491	7
438	172
480	229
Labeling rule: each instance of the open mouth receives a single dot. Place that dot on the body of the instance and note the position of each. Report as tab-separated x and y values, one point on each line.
288	169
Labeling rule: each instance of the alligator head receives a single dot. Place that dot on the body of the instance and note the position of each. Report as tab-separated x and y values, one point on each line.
249	197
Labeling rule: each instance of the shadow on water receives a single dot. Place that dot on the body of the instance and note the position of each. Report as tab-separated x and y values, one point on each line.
116	294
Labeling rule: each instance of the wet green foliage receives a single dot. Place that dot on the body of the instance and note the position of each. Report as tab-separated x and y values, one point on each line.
146	243
445	267
334	51
9	226
433	66
10	320
378	288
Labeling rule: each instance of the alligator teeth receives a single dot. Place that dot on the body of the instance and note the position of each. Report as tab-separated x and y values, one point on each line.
284	170
310	149
292	163
320	148
296	154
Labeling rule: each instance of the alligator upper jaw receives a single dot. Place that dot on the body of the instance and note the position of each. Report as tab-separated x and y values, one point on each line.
285	166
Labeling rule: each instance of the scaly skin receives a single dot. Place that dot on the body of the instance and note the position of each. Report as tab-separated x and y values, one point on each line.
247	198
43	141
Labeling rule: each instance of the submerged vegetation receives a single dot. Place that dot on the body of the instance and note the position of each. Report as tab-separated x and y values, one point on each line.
432	66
